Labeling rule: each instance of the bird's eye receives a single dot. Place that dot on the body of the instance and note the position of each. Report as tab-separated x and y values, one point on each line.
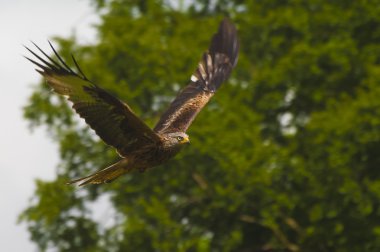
179	138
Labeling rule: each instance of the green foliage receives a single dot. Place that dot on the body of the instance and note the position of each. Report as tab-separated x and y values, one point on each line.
284	158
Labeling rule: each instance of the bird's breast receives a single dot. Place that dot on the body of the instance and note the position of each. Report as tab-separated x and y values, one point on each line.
152	156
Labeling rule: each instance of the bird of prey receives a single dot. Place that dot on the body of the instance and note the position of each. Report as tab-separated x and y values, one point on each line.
116	124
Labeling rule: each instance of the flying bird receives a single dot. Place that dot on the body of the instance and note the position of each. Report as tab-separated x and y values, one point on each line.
118	126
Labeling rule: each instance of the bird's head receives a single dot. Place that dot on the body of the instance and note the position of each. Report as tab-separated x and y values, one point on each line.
177	139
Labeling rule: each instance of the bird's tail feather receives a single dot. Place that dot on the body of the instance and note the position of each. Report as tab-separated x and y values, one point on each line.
105	175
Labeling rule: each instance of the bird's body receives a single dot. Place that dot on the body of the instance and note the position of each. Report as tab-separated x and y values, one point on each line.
139	146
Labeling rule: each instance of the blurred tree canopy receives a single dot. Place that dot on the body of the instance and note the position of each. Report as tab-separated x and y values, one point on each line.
286	157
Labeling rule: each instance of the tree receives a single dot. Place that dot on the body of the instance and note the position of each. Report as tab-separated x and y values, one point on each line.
284	158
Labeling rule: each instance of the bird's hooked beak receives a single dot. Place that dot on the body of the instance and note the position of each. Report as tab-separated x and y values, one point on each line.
185	140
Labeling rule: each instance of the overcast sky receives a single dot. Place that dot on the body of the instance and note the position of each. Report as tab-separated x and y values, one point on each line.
25	156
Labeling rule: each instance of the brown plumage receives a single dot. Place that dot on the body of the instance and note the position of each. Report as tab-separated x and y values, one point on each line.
115	123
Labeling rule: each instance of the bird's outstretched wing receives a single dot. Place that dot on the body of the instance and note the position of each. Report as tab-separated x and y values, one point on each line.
113	121
213	69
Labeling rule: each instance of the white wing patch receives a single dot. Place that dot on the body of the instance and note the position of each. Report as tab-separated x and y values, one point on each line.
194	78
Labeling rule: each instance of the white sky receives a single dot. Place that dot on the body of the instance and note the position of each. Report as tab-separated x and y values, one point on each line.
25	156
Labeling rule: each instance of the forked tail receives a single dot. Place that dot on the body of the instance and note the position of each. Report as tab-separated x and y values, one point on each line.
105	175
